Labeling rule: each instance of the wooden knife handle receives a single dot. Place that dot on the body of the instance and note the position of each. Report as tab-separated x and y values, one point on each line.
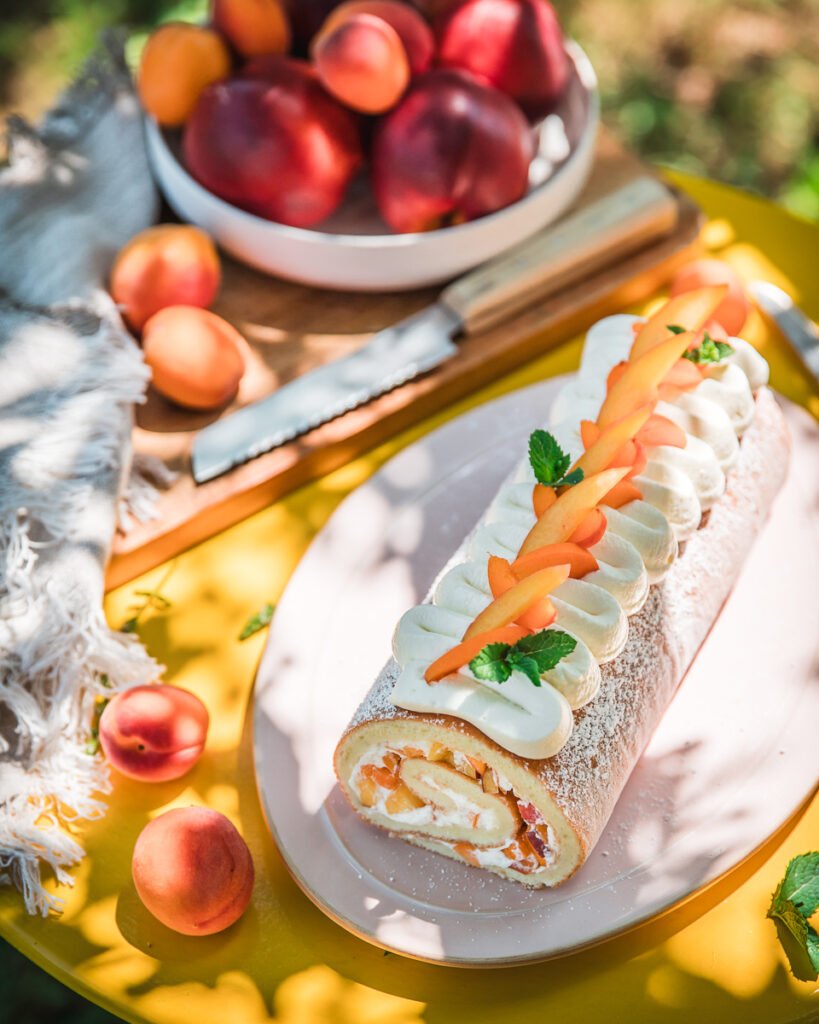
574	248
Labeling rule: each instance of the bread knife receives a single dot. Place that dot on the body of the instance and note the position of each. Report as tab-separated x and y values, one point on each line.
797	328
574	248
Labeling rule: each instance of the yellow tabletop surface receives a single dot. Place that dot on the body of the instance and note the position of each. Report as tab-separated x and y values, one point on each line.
716	958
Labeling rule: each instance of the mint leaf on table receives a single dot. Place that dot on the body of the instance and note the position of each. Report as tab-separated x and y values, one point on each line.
709	351
258	621
492	664
675	328
549	462
794	900
532	655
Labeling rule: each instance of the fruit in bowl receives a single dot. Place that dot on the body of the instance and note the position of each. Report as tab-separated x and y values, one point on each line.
453	150
414	32
515	45
253	27
273	142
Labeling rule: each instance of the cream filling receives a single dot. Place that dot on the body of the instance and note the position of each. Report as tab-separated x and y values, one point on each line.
639	546
455	811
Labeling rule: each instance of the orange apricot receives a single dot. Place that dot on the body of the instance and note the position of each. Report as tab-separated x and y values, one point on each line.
254	28
362	62
461	654
195	356
178	62
166	265
193	871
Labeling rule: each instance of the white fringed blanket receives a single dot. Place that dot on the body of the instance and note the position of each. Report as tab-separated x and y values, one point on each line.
75	190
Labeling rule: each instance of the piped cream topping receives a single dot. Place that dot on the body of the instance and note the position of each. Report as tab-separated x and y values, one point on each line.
638	548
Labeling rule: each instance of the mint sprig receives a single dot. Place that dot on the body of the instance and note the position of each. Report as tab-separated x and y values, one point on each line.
258	622
532	655
795	899
709	351
550	463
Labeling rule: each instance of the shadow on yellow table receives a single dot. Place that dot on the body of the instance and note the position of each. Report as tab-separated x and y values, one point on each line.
715	958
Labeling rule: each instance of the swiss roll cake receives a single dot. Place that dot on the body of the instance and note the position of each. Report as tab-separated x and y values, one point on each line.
523	690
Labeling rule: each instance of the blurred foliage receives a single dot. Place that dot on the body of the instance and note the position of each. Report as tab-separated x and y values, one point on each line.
728	90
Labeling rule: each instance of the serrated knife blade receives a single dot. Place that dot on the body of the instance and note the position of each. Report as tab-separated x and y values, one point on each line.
799	330
390	358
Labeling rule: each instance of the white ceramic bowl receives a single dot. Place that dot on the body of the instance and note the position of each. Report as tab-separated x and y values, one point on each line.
355	251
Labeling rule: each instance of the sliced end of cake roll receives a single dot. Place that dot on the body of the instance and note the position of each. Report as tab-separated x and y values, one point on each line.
443	786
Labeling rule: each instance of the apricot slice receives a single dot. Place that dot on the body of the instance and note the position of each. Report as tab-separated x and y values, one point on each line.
402	799
579	559
660	430
622	493
691	310
510	606
638	384
733	311
464	652
569	511
501	578
603	446
543	497
591	530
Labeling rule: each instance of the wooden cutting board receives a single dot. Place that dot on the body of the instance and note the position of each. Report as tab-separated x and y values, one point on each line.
292	328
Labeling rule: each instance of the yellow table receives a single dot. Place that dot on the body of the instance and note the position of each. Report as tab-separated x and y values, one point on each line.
715	958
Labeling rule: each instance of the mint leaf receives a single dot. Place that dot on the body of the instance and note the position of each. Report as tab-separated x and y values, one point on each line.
532	655
801	883
709	351
492	664
258	621
794	900
675	328
546	648
528	666
549	462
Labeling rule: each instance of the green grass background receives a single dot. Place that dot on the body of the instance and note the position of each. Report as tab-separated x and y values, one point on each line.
729	90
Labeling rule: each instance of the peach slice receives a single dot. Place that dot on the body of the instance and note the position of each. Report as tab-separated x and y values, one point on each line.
622	494
402	799
569	511
578	558
690	310
603	446
519	599
638	384
591	530
543	497
465	651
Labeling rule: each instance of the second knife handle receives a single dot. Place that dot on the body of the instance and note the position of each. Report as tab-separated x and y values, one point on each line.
572	249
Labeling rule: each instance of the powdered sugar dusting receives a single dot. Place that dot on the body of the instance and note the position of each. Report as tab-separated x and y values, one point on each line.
587	776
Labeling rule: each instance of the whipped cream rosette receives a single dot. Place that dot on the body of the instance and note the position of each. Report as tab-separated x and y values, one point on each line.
523	691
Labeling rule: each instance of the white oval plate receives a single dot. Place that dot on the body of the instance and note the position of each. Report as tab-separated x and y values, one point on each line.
354	250
734	756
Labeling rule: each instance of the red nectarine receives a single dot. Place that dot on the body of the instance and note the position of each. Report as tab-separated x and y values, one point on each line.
413	30
274	142
153	733
515	45
453	150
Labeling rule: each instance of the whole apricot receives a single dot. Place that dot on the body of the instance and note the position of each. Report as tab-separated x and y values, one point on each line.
178	61
733	311
193	871
413	30
363	63
253	27
195	356
166	265
154	733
